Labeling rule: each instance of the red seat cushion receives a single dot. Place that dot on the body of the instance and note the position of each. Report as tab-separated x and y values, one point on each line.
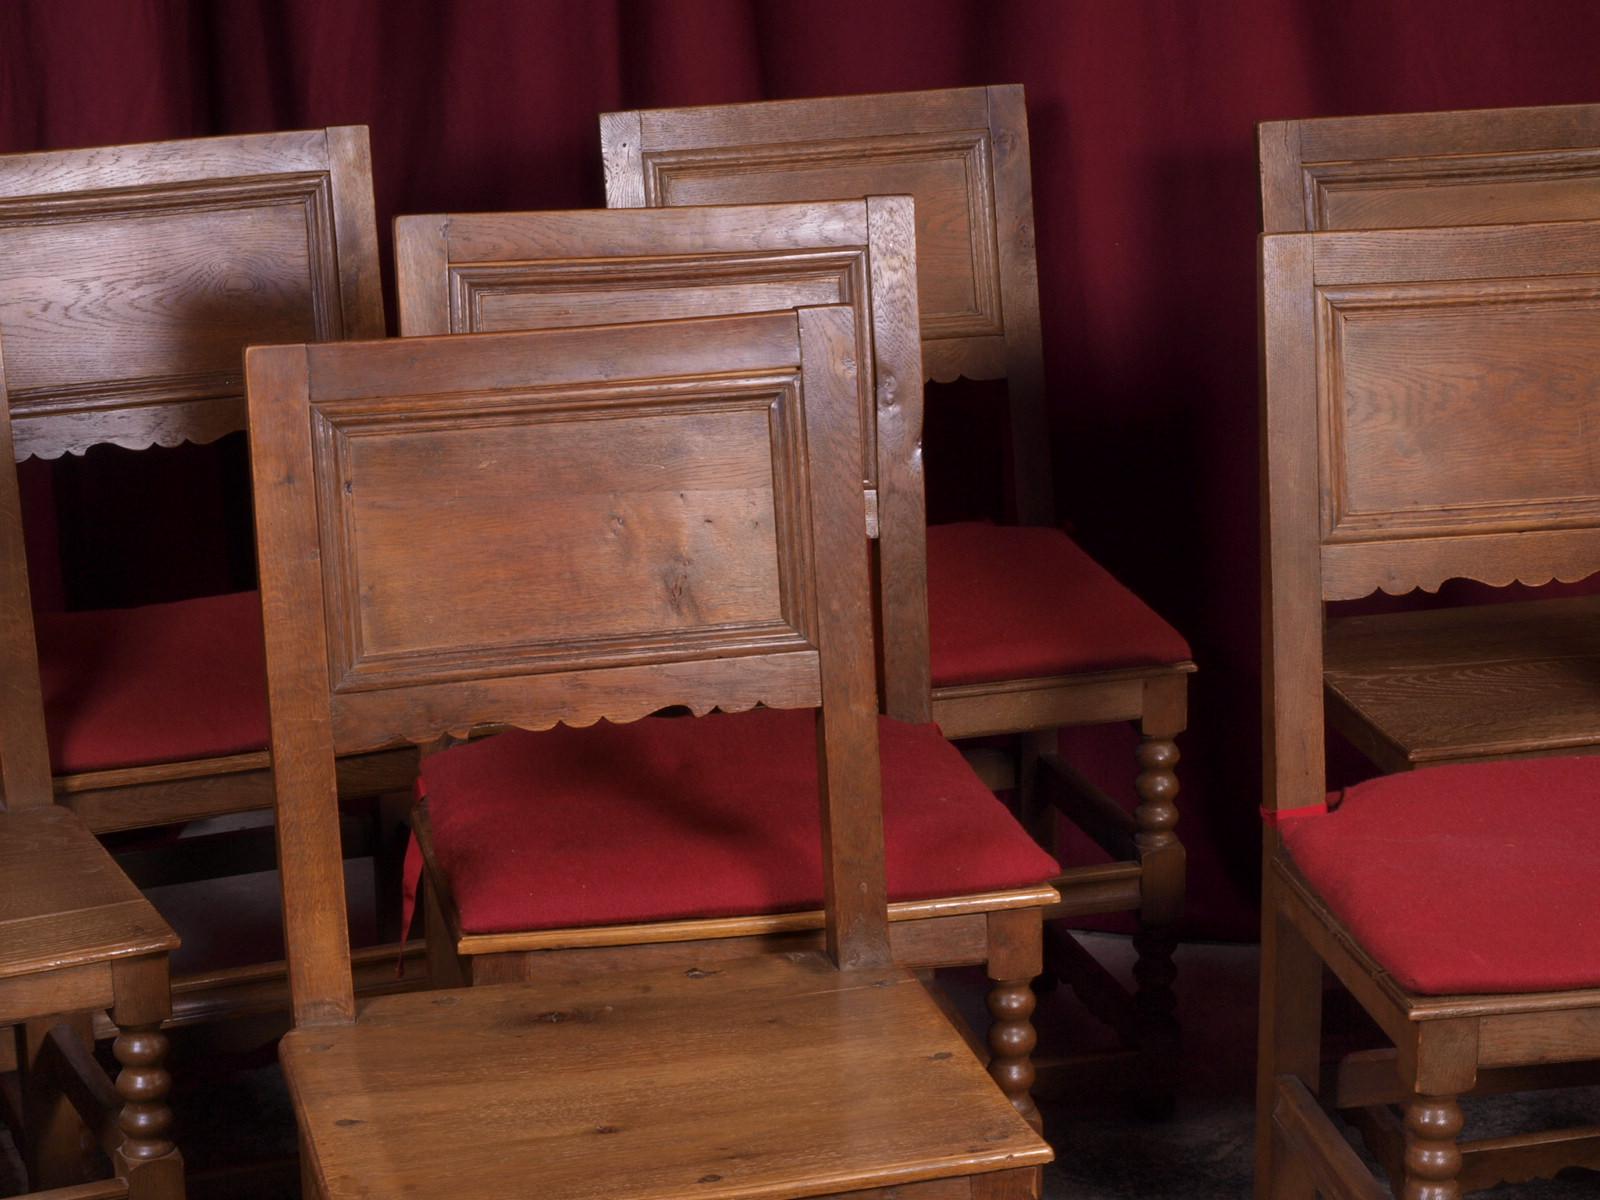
1466	879
666	819
162	683
1008	602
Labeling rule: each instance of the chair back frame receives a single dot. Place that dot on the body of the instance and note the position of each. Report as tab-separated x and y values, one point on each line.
558	526
1401	170
131	278
24	752
492	272
1427	402
962	153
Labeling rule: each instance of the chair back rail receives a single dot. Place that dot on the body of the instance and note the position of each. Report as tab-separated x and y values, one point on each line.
1430	397
476	273
131	278
561	526
1477	167
961	153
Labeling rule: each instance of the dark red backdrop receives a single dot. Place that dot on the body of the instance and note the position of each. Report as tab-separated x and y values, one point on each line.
1144	185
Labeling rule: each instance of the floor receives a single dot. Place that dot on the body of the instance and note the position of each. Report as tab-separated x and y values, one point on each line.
232	1108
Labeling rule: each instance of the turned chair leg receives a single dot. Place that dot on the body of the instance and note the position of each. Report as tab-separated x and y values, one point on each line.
1432	1157
1162	859
147	1158
1016	951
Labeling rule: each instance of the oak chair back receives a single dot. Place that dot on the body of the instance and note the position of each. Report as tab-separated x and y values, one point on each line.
558	526
1403	170
1429	404
961	153
131	278
495	272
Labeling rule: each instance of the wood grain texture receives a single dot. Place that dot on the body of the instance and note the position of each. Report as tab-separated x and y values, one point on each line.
845	1046
505	271
355	226
306	803
963	156
24	752
897	427
65	902
307	555
189	791
1456	684
1476	167
133	277
69	988
1409	379
875	1086
855	893
1291	603
961	153
916	942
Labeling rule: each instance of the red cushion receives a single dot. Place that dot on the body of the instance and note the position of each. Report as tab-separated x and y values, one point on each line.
1465	879
162	683
667	819
1007	602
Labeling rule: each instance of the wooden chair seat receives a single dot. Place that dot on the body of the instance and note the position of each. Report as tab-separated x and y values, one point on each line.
1416	689
712	818
156	684
720	465
772	1076
1020	602
65	903
1490	863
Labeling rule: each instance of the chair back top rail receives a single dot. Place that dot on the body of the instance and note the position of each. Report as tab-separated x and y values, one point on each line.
132	277
561	526
1429	403
961	152
489	272
1398	170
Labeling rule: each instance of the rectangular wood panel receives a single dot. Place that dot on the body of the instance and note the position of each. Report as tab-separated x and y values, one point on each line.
608	525
562	508
497	305
948	175
161	294
1472	190
1465	409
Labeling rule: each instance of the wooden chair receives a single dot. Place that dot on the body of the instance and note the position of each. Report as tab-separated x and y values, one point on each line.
131	278
507	271
1482	681
1430	399
75	936
1028	634
558	527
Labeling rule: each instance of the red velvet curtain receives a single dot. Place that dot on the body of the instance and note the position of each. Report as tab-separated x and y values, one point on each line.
1142	115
